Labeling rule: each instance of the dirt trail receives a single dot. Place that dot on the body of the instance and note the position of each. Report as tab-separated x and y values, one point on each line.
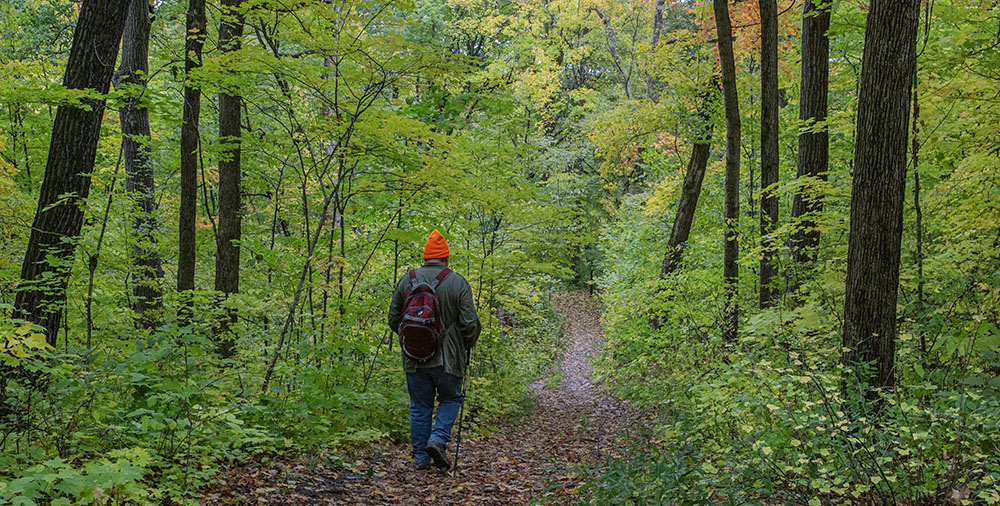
572	424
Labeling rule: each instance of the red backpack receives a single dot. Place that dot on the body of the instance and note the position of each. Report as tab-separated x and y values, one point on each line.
421	326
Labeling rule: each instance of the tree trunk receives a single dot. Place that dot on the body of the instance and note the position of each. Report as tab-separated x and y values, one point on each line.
227	258
72	151
919	228
613	48
730	268
878	191
691	190
193	44
915	163
652	83
657	22
814	140
139	182
768	148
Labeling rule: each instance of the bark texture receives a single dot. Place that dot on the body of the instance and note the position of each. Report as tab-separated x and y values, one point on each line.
918	209
730	268
878	191
814	141
193	44
227	257
693	179
72	150
652	83
147	289
768	148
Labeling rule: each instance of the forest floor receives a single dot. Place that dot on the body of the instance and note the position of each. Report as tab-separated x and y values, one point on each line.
534	460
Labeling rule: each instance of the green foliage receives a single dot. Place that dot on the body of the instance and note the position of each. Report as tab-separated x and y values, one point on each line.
650	474
553	382
509	127
165	409
356	107
507	359
773	418
20	343
113	479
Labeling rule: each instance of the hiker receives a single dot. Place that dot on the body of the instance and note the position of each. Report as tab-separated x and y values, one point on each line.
439	369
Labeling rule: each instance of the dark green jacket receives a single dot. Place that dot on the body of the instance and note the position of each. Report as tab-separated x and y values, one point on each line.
458	310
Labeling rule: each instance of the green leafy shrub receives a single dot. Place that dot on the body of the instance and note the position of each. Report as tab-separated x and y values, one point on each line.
770	417
650	475
116	478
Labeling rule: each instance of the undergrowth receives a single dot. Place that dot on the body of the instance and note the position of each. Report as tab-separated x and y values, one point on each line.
153	419
773	418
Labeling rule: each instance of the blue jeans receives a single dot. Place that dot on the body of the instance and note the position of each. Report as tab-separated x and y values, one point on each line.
422	386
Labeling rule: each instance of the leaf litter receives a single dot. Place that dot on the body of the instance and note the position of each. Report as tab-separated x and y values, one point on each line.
532	461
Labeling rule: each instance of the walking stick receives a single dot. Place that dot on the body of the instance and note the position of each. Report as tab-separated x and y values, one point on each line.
461	413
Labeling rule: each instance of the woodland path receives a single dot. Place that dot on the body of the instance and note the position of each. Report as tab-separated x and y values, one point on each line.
533	459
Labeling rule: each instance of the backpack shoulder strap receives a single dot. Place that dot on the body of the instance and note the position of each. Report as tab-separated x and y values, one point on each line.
413	275
440	277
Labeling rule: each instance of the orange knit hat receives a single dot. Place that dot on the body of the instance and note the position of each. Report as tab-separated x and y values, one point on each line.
436	247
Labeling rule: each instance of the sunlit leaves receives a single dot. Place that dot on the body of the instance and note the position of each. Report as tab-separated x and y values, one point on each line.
20	343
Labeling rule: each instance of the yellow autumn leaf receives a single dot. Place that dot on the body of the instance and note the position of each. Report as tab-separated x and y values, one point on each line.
36	341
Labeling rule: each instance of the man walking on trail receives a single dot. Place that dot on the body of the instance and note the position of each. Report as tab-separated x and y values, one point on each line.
441	369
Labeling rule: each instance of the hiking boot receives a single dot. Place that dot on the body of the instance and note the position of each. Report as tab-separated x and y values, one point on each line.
422	466
438	455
